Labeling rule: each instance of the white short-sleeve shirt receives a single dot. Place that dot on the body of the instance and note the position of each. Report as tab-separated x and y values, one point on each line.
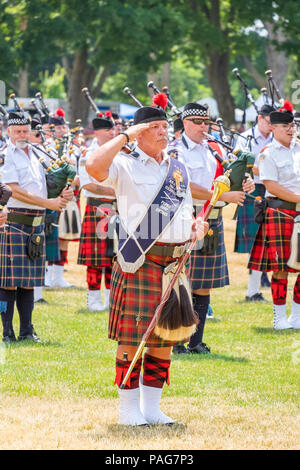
200	162
27	172
136	179
85	178
281	164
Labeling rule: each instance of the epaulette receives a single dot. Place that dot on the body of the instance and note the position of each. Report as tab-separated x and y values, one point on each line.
173	153
264	148
262	155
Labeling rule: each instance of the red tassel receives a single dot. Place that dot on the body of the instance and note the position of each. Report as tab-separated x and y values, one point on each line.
108	114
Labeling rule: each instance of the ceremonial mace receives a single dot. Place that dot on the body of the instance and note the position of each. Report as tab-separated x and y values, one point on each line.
221	185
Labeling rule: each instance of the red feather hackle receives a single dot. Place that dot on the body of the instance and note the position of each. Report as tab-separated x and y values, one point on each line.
161	100
60	112
287	106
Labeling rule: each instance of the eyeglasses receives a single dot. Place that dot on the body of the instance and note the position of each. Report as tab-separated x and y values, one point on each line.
198	121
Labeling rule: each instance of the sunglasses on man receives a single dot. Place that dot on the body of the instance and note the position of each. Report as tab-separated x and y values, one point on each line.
199	121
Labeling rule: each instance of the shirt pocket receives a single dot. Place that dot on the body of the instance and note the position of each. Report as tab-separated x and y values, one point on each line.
285	170
24	174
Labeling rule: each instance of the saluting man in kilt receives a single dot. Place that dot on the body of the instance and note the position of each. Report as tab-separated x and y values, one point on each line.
22	256
208	264
279	169
96	248
145	248
246	228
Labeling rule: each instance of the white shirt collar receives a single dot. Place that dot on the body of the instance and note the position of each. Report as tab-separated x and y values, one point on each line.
144	158
278	145
191	144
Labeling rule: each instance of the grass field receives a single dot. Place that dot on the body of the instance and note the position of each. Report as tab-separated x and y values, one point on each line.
245	395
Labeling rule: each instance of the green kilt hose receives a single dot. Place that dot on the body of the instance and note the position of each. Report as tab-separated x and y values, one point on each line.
133	301
52	240
95	248
271	249
246	228
210	271
16	268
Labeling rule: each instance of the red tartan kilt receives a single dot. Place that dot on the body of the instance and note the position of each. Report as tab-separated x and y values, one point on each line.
271	249
132	295
93	249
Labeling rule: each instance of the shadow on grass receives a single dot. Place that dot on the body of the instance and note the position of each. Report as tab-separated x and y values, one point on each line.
265	330
26	343
208	357
87	311
165	431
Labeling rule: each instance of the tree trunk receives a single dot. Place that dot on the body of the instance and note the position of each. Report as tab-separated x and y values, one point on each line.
23	82
78	107
217	72
165	74
277	60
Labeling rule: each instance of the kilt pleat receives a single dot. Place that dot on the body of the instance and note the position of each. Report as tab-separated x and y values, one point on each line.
271	249
246	227
16	268
133	300
210	271
94	250
52	243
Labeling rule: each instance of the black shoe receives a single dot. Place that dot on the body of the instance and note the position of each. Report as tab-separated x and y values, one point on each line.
41	301
179	349
31	337
9	338
264	282
256	298
201	348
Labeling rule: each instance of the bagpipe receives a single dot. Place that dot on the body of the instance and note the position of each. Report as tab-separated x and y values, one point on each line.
127	148
240	164
248	95
59	174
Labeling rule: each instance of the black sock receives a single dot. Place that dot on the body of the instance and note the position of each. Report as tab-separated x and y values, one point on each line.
7	304
200	303
25	303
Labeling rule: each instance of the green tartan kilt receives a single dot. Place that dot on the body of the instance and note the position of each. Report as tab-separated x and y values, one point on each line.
246	227
133	300
16	268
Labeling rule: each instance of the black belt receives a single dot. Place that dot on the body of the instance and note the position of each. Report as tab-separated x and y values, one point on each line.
276	203
22	219
169	251
94	201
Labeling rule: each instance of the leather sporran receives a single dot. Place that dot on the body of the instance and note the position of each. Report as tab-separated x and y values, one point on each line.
35	246
210	242
294	259
260	208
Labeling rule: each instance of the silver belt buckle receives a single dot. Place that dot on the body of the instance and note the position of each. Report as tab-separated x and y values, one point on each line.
37	221
178	251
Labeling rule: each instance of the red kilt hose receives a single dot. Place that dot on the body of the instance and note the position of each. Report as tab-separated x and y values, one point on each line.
133	301
95	248
271	249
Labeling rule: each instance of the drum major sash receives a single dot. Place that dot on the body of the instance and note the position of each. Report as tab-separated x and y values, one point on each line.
158	216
